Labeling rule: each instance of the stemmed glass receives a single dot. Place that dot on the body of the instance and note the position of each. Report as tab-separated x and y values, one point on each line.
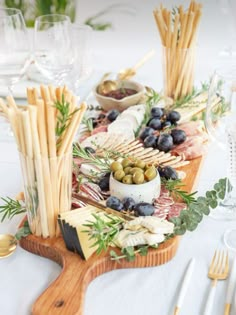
82	69
53	53
14	52
220	121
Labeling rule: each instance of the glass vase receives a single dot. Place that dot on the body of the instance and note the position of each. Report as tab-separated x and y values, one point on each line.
178	71
47	188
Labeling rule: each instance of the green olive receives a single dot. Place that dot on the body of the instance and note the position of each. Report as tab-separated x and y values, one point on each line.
138	178
115	166
127	162
140	164
127	179
135	169
127	169
150	173
118	175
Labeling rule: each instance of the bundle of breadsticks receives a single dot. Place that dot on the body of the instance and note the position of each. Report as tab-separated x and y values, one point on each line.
44	131
178	30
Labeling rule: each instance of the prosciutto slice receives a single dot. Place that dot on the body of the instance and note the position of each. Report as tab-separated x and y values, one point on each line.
192	148
193	128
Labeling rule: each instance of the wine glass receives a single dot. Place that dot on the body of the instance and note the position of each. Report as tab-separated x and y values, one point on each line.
14	54
82	69
228	9
220	121
53	53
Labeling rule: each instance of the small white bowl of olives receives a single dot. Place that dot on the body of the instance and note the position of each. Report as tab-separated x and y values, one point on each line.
136	179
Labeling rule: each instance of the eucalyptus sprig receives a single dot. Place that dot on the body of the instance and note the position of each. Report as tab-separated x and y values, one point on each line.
102	163
10	208
23	231
63	117
129	253
189	219
175	188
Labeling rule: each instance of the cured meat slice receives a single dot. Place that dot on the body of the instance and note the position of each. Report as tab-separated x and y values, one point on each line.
164	192
175	209
164	201
99	129
193	147
193	128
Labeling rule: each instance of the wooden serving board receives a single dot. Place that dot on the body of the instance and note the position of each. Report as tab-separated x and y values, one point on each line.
77	273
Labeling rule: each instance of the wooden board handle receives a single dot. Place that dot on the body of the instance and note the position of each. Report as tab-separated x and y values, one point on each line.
66	294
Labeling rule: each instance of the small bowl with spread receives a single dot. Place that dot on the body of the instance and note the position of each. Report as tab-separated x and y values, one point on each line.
118	94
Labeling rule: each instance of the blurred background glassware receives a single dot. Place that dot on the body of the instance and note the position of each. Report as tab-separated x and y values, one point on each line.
227	9
14	54
53	52
81	36
220	121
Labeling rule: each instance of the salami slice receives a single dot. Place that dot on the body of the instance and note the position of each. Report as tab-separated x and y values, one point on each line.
164	201
164	192
175	209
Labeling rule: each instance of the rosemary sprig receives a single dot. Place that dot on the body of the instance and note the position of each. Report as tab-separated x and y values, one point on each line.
185	101
175	188
102	163
152	98
11	208
63	117
88	122
103	230
110	154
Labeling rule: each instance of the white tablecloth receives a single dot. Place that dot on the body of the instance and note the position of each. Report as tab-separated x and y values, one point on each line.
151	291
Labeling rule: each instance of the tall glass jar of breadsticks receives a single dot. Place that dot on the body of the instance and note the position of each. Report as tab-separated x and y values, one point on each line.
44	131
178	30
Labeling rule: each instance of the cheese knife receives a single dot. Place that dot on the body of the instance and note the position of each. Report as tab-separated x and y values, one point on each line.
184	286
230	289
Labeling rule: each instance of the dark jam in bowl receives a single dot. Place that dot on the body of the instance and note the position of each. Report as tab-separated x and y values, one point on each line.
120	93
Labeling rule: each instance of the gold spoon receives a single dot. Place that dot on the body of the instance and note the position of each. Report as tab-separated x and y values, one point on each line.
107	86
7	245
128	73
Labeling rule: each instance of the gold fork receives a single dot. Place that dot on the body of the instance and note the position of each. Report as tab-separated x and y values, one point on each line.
218	270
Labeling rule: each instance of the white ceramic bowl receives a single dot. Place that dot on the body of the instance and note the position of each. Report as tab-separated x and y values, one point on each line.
108	103
140	193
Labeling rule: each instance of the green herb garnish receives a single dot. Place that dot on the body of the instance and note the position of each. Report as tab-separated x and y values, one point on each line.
63	118
23	231
101	162
11	208
88	122
189	219
152	98
175	188
103	231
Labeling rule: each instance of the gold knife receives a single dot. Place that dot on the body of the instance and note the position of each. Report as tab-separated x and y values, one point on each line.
98	205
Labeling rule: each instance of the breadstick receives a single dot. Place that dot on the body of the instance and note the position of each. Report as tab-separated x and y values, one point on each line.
39	172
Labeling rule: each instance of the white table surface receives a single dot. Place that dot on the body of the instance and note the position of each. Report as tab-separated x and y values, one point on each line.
151	291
